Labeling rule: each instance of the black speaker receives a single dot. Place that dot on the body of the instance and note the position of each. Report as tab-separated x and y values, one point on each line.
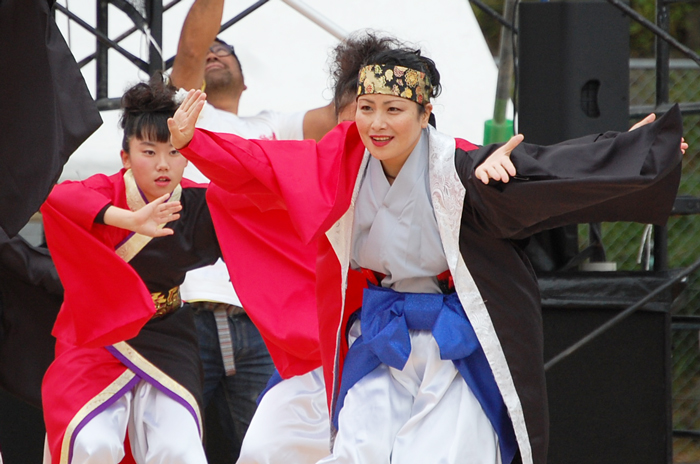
573	80
610	401
573	70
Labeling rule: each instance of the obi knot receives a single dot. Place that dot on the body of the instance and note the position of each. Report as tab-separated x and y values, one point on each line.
387	316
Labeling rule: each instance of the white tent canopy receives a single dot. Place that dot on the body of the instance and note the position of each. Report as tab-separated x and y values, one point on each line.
284	57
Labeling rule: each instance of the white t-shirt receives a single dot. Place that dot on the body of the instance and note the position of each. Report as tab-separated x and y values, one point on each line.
212	283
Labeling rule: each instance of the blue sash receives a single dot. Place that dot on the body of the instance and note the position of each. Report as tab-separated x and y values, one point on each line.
387	316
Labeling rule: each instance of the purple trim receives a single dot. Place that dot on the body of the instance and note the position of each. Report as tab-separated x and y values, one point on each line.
144	376
131	384
143	195
131	234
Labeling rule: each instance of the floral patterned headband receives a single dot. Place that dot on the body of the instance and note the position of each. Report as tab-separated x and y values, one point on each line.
395	80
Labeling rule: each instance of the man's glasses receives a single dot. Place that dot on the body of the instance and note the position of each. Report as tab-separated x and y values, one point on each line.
221	50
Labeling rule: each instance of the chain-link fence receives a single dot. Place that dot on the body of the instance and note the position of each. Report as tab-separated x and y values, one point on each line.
623	243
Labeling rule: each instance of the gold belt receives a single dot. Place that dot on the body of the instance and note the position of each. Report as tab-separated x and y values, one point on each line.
166	303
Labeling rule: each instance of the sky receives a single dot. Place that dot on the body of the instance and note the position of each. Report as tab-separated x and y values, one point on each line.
284	57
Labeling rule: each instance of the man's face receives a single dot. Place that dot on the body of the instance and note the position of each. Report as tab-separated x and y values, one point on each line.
221	69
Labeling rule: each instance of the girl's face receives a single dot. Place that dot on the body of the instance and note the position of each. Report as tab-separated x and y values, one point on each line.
390	128
157	166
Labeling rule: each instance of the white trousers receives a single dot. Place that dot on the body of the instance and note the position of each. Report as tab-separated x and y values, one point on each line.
161	431
423	413
291	423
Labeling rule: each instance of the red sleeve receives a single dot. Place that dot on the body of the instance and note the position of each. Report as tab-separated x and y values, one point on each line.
464	145
313	181
105	300
81	201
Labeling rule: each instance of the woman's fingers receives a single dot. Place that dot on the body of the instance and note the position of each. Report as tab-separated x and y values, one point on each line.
648	120
503	175
509	166
482	175
512	143
498	165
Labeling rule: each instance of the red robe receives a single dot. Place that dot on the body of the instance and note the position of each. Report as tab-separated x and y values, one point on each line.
271	249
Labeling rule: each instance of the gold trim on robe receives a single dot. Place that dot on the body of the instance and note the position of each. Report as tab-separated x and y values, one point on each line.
136	242
109	392
152	371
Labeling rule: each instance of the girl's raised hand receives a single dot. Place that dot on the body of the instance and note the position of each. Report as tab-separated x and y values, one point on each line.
182	123
498	165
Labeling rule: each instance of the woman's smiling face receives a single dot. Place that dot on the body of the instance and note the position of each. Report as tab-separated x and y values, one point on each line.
390	128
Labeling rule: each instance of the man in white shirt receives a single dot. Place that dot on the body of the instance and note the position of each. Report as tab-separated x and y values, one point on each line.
236	363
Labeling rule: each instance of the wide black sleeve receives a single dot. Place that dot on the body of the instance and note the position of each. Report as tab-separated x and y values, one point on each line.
628	176
28	263
30	297
49	100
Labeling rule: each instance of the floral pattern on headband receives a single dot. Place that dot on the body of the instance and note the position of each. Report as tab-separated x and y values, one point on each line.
395	80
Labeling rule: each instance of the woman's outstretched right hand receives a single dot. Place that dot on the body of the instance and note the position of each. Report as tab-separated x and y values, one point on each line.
183	122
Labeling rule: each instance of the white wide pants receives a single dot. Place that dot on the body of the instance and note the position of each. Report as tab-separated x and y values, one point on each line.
161	431
423	413
291	423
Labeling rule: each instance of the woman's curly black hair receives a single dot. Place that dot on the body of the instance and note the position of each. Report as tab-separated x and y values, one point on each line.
146	108
349	56
366	48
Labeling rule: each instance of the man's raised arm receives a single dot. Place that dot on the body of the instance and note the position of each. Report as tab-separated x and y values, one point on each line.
201	27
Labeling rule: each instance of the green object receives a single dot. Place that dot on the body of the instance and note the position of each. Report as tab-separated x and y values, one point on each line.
497	132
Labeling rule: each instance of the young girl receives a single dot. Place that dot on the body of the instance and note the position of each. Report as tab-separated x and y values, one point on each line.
443	362
127	362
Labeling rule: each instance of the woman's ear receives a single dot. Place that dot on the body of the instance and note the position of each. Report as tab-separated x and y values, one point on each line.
126	161
425	117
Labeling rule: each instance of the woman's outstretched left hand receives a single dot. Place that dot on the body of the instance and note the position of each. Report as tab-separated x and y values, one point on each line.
183	122
498	165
